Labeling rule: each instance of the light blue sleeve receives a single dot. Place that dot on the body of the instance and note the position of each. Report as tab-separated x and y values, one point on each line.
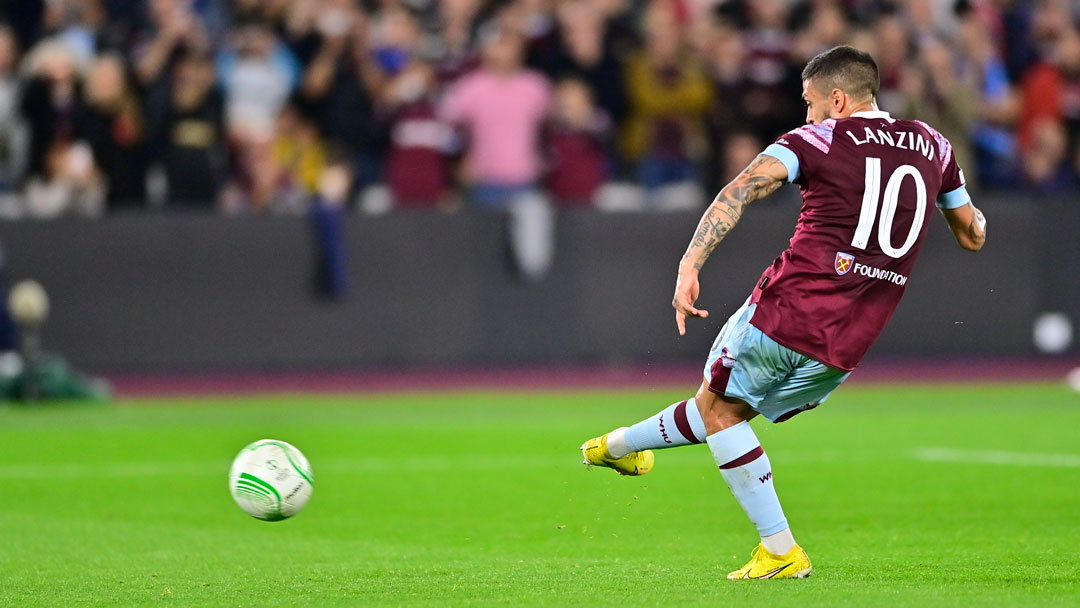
955	199
787	157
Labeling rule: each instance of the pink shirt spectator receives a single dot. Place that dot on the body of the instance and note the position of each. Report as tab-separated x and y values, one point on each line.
503	116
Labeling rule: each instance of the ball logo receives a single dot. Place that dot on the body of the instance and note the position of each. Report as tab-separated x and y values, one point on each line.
843	263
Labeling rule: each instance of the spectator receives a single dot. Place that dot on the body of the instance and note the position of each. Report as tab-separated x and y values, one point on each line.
299	159
773	79
577	140
621	31
535	20
892	49
257	73
337	88
929	18
26	20
731	111
52	99
739	151
1046	169
456	38
982	66
79	25
14	137
826	27
113	126
68	185
272	13
417	167
190	141
175	31
305	21
1051	93
1031	29
686	83
669	94
585	52
1049	129
935	95
395	42
417	164
502	107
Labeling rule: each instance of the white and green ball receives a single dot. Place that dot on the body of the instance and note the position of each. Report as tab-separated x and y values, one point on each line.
271	480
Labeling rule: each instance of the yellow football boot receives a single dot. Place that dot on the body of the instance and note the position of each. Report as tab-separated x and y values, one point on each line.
793	564
634	463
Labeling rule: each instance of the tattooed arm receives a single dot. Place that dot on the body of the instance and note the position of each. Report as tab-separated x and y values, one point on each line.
968	225
758	180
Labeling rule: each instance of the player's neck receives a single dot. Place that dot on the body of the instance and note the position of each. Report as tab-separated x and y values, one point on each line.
870	106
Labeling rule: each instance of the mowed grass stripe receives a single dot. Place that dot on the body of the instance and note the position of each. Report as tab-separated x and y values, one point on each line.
997	457
373	465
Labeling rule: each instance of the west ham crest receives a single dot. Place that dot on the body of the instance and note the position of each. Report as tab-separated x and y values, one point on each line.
843	263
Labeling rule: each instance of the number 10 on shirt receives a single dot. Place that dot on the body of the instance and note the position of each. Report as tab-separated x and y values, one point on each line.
872	197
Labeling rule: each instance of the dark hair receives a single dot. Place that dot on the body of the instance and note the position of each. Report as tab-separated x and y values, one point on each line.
846	68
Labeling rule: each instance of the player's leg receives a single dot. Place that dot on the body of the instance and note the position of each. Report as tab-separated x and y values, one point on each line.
628	450
676	425
746	469
792	383
743	371
744	464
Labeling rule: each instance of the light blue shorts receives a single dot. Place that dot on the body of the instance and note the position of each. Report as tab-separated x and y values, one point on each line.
776	381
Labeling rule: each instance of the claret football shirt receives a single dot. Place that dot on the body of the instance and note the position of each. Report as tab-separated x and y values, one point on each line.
869	185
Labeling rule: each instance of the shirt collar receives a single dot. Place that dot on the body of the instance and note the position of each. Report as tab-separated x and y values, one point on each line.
873	114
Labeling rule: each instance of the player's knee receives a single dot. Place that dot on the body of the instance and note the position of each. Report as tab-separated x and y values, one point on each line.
718	420
718	413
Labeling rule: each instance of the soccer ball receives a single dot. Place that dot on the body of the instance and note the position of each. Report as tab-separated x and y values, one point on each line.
271	480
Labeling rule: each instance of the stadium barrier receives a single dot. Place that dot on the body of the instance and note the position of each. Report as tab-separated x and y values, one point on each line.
164	292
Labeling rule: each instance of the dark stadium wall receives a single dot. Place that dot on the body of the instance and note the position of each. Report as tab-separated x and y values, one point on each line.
201	292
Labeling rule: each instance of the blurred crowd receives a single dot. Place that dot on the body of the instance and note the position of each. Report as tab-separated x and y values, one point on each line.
276	105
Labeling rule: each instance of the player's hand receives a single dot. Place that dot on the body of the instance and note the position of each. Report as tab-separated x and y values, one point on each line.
686	294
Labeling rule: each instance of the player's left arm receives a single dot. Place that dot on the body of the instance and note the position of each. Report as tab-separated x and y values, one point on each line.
968	225
966	222
759	179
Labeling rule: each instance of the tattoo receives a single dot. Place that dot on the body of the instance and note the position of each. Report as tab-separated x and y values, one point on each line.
753	183
977	228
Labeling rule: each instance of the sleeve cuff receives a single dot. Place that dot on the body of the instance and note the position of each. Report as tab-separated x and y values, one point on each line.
955	199
786	156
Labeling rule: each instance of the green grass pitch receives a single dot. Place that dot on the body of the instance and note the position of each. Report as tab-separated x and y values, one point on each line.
903	496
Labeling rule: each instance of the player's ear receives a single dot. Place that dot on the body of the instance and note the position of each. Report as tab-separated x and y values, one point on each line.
837	100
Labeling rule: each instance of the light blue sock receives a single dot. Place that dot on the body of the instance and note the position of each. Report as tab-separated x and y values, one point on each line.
748	473
678	424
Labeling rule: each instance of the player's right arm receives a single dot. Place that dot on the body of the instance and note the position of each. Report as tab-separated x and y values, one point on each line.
764	175
968	225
